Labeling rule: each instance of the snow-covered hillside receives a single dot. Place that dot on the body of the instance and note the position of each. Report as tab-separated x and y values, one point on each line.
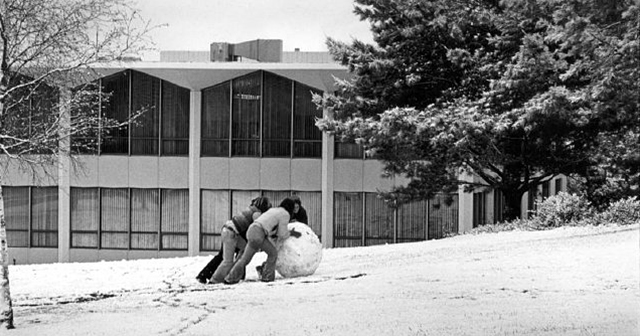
568	281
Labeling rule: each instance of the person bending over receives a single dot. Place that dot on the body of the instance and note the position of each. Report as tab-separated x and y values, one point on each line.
273	222
234	237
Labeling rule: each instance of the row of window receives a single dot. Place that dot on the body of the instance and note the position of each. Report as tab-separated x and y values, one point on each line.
123	218
481	202
161	129
363	219
217	206
31	216
260	114
158	219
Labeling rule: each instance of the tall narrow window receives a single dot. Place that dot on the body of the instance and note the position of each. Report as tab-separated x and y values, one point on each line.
116	107
246	115
17	215
85	217
348	219
558	186
276	120
479	208
214	211
16	121
498	206
145	100
145	219
546	189
379	226
175	119
43	109
216	105
532	197
114	218
86	103
307	138
412	221
312	202
443	215
44	217
175	219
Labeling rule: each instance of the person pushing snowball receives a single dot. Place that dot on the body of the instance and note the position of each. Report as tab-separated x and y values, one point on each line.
234	237
273	222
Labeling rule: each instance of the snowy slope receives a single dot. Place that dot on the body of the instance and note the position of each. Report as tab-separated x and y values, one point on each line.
568	281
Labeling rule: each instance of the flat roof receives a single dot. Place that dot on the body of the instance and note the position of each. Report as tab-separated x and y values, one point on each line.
200	75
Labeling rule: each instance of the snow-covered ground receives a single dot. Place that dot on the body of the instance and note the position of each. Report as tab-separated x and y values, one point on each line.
568	281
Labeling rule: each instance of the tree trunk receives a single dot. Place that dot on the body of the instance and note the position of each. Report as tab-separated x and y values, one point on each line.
512	204
6	309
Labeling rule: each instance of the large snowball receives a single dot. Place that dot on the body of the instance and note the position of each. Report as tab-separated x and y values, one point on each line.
299	256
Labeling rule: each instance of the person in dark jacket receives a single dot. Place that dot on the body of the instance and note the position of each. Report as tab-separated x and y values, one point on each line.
234	237
299	213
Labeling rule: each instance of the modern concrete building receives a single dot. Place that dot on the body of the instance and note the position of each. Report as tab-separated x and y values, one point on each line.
216	135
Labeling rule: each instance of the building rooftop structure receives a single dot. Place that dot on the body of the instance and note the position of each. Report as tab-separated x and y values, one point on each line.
260	50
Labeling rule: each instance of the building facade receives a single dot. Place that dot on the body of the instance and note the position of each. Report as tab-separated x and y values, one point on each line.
214	136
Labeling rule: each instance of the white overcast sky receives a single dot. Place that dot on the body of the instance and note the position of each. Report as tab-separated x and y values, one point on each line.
304	24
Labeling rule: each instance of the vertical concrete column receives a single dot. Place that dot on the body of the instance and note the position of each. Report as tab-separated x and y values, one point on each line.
465	206
195	108
64	180
327	186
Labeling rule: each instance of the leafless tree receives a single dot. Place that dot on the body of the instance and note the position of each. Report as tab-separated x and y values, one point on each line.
47	88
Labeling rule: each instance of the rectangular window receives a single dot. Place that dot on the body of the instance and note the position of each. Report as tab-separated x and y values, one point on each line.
479	209
532	196
558	185
312	202
348	220
42	103
17	115
247	101
145	219
307	138
175	219
86	104
116	107
348	150
275	196
216	120
175	119
412	221
214	212
44	217
546	185
498	206
443	216
17	215
85	217
114	218
241	199
379	221
276	117
145	100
